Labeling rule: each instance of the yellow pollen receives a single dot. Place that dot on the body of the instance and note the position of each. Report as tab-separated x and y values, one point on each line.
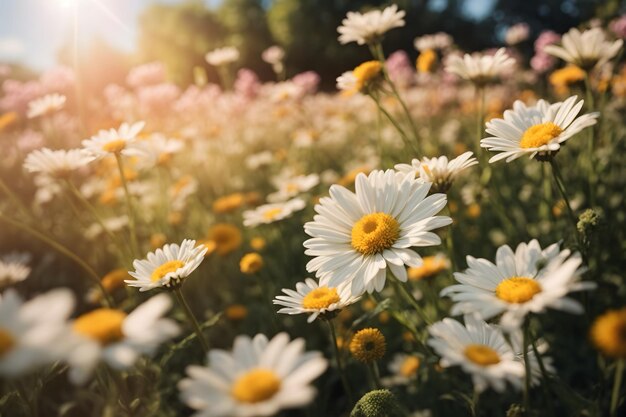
368	345
167	267
410	366
481	355
255	386
321	297
103	325
517	290
539	135
272	213
7	342
114	146
374	233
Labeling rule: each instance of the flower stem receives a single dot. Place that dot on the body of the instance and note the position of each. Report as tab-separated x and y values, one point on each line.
374	373
590	158
405	138
560	185
129	206
617	384
191	318
526	369
344	380
400	288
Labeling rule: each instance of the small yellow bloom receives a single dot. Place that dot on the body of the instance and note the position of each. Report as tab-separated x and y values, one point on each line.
349	178
473	211
564	78
175	218
368	345
157	240
115	279
236	312
426	61
226	237
251	263
228	203
608	333
8	119
258	243
366	74
431	266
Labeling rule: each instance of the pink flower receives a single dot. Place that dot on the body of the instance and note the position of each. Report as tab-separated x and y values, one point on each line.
618	26
308	81
58	80
146	74
400	69
247	83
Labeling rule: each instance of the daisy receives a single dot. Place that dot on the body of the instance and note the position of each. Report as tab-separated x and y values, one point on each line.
32	333
357	236
480	69
526	281
45	105
222	56
439	170
117	338
404	369
113	141
586	49
259	377
480	350
366	28
364	78
270	213
368	345
167	267
434	42
14	268
291	186
315	300
58	164
537	130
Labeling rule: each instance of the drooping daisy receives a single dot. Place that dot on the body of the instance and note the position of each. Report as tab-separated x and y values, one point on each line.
117	338
57	164
480	69
167	267
113	141
528	280
270	213
366	28
357	236
259	377
32	333
537	130
45	105
479	349
222	56
14	268
586	49
438	170
364	78
313	299
291	186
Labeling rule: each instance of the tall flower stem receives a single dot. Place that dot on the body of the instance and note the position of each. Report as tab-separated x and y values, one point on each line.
191	318
14	198
61	249
561	186
617	384
408	297
340	368
527	375
590	151
129	206
374	373
405	138
544	375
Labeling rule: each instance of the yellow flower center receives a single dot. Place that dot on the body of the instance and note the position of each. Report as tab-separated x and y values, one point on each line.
169	266
292	188
608	333
368	345
481	355
255	386
539	135
103	325
374	233
251	263
366	72
426	61
321	297
517	290
114	146
410	366
7	342
271	214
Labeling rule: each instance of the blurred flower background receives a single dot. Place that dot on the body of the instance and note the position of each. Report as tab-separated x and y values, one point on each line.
312	208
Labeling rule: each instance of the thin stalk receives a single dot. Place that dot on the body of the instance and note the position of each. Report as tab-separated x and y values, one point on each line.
395	124
191	318
372	370
617	384
400	288
561	186
61	249
526	369
13	197
590	151
129	206
544	375
480	115
344	380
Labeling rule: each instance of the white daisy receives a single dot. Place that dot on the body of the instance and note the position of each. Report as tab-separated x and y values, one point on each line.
356	236
273	55
369	27
32	332
439	170
586	49
347	82
480	350
404	368
58	164
14	268
45	105
310	298
113	141
525	281
222	56
291	186
258	378
480	69
436	42
537	130
167	267
117	338
270	213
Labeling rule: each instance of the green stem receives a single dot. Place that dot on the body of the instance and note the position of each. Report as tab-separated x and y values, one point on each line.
617	384
61	249
20	205
561	186
526	368
372	368
400	288
344	380
405	138
544	375
590	151
191	318
129	206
